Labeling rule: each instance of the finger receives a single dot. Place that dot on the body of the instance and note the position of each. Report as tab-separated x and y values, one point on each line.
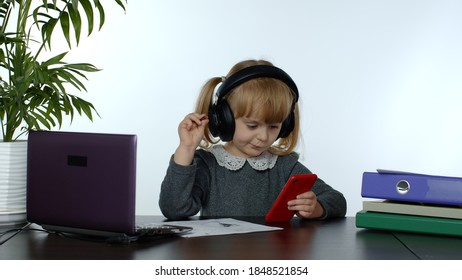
307	195
192	120
198	120
301	205
304	214
303	209
302	201
189	124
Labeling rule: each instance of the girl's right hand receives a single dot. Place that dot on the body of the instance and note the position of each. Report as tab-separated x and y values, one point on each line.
191	131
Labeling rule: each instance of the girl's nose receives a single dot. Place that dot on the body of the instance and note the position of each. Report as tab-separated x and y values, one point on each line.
262	134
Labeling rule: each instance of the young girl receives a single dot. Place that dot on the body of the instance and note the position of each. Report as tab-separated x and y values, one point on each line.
255	115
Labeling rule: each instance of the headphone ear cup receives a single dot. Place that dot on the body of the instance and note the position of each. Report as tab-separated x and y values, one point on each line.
213	121
287	126
221	121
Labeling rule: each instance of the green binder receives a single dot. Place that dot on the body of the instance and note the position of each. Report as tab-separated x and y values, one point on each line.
408	223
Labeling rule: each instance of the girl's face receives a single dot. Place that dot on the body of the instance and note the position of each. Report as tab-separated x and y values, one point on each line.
252	137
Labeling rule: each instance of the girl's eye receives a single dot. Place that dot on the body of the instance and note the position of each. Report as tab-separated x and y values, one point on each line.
275	126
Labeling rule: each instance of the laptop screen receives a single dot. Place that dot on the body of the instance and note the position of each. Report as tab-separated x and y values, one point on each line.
82	180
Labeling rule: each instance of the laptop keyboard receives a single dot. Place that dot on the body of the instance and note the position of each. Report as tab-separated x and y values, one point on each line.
153	229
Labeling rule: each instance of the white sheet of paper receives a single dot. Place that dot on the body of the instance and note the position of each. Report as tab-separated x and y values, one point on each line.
211	227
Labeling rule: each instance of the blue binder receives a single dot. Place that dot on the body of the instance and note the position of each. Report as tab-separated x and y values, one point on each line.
411	187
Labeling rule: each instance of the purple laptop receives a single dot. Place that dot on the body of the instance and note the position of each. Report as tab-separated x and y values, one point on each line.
84	183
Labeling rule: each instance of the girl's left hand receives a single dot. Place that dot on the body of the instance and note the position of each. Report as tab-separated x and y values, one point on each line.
306	205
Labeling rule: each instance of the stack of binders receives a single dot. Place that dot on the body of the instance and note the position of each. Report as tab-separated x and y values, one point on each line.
409	202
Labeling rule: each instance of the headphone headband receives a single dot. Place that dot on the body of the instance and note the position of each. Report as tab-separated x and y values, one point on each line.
221	117
253	72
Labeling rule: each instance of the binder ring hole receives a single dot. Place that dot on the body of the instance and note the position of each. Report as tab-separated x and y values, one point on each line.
403	187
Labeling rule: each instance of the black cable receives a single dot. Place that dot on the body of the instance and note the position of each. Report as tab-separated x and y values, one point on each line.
15	232
122	239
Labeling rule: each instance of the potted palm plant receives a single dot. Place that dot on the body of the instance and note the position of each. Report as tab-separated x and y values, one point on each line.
35	85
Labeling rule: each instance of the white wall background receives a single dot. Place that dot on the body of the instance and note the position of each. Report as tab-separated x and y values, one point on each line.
380	81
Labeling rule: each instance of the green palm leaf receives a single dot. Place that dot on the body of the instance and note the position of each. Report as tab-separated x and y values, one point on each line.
37	94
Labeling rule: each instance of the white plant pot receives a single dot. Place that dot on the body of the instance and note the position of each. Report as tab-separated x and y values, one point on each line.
13	171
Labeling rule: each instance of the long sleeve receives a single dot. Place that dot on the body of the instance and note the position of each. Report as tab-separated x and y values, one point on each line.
181	194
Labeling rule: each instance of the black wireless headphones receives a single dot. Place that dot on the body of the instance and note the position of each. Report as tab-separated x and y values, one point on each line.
221	118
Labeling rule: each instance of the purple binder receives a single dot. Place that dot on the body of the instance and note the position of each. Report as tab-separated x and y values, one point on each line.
412	187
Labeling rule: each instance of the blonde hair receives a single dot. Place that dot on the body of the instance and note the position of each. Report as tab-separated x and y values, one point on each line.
267	98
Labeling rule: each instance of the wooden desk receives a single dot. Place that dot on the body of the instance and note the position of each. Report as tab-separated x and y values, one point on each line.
337	239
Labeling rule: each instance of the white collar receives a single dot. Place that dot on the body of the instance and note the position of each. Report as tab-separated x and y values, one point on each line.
262	162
